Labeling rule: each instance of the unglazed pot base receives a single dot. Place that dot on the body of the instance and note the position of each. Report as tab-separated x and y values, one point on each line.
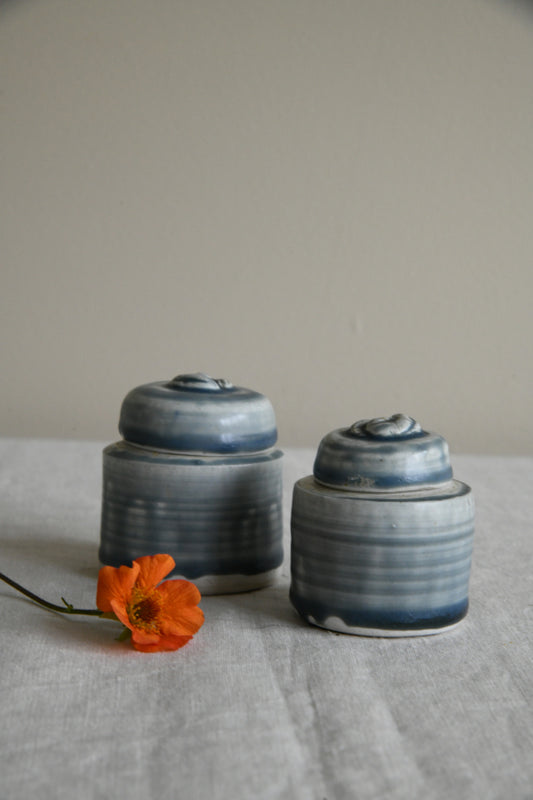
232	584
338	626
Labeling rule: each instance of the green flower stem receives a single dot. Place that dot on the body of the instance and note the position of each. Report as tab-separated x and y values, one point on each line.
66	609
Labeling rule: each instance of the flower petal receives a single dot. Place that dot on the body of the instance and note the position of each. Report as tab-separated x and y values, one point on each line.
179	612
119	609
152	569
140	636
115	584
163	643
153	642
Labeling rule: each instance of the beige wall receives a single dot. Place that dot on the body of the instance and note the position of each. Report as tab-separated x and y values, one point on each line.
328	201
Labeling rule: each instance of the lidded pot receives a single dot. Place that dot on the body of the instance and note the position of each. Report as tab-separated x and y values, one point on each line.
381	533
196	475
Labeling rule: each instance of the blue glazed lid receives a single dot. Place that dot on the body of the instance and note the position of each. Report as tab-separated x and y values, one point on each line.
392	453
195	413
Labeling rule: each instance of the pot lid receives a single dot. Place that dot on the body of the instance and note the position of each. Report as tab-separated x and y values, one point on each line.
195	413
392	453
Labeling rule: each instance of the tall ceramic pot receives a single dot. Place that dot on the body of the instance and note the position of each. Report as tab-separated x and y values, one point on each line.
196	475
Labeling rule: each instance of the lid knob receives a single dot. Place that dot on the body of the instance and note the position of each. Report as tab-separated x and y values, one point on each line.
395	427
199	382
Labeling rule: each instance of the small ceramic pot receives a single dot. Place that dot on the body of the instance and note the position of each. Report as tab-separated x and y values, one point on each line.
196	476
382	533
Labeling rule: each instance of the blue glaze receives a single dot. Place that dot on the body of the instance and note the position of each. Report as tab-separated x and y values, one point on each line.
216	564
128	452
385	619
197	414
215	516
226	443
343	479
453	489
382	454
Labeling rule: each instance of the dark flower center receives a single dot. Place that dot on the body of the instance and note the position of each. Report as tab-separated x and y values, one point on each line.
143	613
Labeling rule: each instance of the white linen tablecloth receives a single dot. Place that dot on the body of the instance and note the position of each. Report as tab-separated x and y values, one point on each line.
259	704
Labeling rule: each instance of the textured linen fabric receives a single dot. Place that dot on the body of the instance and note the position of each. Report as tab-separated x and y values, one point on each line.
259	704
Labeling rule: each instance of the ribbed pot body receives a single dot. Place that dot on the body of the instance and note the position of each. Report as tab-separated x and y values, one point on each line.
389	564
219	517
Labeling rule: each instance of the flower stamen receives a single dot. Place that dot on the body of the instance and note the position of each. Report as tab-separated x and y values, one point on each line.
143	611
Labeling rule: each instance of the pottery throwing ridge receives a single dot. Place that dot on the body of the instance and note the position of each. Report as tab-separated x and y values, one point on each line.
196	475
381	533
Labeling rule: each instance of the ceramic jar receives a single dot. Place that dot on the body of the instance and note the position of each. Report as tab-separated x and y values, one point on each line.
381	533
197	475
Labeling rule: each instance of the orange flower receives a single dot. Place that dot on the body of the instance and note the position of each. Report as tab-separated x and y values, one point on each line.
163	617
